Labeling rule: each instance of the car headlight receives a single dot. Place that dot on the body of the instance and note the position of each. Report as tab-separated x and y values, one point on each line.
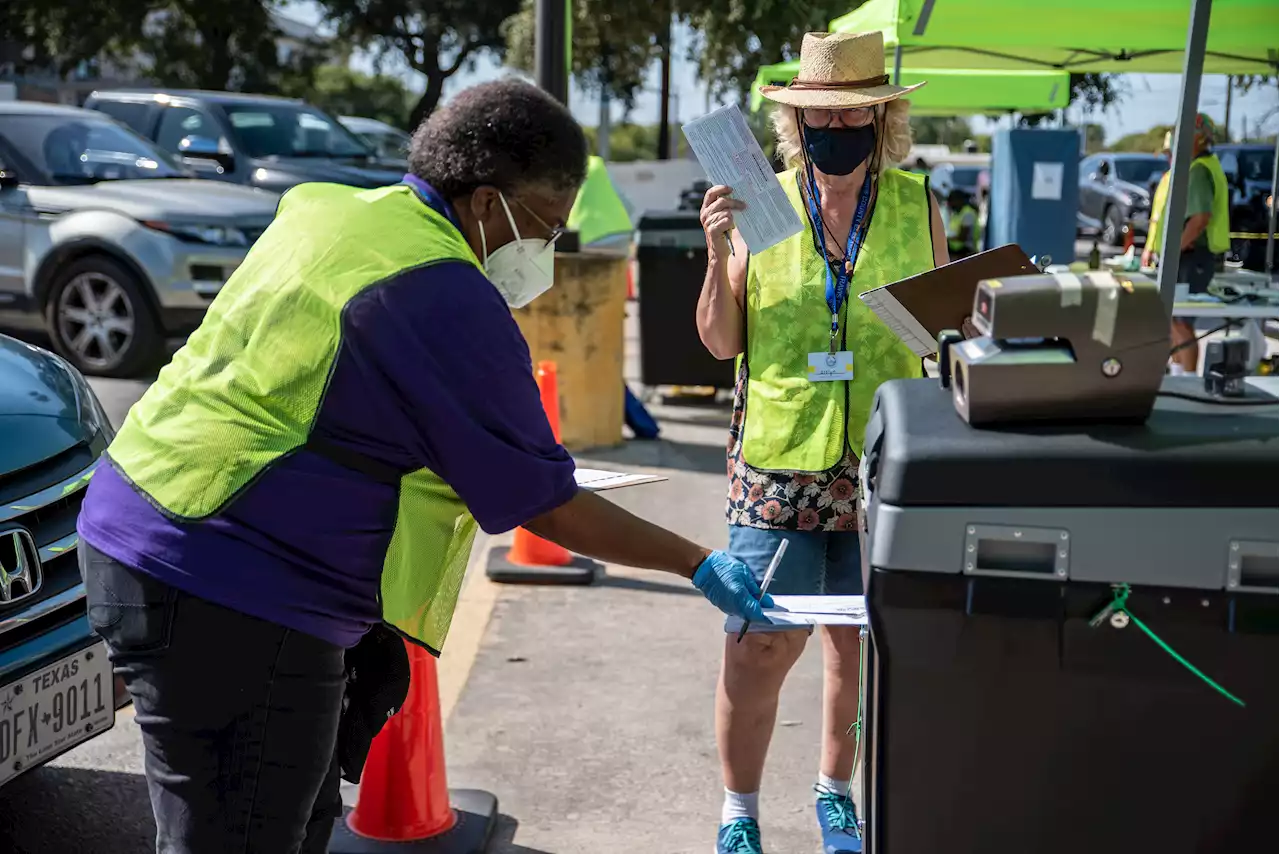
89	409
212	235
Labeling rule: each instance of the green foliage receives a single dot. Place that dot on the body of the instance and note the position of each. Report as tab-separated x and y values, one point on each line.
1147	141
340	91
64	35
628	142
436	38
614	42
951	131
1095	138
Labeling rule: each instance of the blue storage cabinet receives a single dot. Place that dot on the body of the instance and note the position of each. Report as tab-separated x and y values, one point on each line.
1021	160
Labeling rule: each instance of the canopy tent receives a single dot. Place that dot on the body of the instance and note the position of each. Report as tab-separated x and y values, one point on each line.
1137	36
953	92
1152	36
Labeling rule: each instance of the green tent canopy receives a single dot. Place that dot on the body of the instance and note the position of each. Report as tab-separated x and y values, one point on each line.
1134	36
953	92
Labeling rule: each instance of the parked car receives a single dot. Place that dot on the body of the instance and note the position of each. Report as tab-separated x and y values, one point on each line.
105	243
56	685
1115	190
1250	170
259	140
389	144
970	177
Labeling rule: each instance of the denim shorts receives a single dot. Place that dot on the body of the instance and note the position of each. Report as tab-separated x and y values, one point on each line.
816	562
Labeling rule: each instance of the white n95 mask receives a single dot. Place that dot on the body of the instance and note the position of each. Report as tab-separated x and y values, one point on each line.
522	270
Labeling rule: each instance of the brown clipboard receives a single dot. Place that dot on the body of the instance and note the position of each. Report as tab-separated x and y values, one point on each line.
919	307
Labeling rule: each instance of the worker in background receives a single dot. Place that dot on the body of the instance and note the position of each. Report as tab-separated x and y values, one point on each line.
1206	236
315	462
599	215
803	396
1159	201
962	225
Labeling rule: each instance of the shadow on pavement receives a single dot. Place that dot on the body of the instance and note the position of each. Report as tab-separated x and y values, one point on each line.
662	453
503	835
55	809
606	580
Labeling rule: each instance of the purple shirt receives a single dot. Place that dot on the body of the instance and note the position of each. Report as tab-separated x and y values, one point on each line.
432	373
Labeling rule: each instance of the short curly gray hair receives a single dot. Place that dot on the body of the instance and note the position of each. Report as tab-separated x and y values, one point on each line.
500	134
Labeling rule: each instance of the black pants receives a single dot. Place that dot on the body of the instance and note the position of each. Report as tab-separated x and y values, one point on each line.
239	716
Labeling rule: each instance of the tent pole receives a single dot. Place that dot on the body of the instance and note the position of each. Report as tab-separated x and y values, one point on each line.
897	65
1183	147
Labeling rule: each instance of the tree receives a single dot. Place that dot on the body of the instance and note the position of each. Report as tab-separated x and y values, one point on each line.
436	38
614	42
217	44
341	91
1148	141
1095	137
39	35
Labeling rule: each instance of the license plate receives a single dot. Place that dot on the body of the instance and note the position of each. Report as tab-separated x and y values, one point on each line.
52	710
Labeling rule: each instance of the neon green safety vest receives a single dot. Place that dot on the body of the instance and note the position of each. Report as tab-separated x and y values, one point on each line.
955	223
1218	233
792	424
598	212
231	403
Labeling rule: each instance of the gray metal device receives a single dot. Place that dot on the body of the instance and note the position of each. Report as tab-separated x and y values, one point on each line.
1063	347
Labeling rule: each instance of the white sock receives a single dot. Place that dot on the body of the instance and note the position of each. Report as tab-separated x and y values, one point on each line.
737	805
831	784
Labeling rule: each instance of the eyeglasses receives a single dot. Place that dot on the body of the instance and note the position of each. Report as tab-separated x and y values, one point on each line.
854	117
553	231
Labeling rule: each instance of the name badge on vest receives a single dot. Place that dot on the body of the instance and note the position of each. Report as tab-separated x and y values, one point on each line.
828	367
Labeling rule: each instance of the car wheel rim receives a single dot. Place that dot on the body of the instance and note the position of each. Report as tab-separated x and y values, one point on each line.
1109	231
96	319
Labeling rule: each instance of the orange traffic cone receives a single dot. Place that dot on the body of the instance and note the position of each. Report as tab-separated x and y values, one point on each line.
531	559
404	803
631	280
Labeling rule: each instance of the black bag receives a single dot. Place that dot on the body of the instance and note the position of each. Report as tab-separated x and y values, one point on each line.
377	685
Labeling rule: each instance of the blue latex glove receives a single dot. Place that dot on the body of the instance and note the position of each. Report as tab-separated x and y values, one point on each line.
729	585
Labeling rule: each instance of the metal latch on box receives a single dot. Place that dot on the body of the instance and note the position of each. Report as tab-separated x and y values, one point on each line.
1016	551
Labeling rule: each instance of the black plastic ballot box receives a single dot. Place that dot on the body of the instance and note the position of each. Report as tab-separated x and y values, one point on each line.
671	249
998	718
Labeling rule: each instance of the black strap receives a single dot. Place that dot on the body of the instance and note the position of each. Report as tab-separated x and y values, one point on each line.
375	469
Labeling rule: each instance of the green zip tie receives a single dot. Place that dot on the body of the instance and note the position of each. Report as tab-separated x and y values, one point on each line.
1120	605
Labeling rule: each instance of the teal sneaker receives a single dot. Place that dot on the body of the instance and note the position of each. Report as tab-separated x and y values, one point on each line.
740	837
838	821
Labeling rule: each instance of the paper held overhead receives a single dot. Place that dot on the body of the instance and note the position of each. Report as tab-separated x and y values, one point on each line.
596	480
731	157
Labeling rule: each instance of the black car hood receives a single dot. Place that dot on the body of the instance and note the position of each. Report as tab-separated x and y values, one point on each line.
39	407
280	173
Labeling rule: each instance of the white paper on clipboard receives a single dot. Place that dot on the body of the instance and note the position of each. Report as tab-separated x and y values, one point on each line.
731	156
595	480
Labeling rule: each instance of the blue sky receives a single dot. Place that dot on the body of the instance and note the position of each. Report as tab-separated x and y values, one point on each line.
1150	99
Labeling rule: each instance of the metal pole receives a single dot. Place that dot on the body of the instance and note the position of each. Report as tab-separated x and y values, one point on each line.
550	47
1183	148
1271	216
897	65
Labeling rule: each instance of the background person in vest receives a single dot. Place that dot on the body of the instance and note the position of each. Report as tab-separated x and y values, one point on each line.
962	225
803	394
1206	235
1159	201
316	458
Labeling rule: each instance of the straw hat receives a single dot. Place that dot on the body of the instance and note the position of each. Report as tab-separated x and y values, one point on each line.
839	71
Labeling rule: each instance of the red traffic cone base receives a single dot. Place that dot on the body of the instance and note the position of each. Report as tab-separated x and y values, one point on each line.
405	804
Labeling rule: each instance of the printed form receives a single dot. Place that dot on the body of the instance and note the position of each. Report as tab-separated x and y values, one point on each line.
731	156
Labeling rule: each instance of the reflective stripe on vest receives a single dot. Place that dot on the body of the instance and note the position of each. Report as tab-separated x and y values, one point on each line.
227	406
792	424
598	212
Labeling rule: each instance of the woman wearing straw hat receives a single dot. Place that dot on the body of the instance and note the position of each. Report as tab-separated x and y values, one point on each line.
811	360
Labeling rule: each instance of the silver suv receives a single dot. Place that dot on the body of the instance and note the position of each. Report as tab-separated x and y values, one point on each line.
105	243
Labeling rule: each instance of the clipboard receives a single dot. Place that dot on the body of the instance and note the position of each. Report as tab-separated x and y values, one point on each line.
919	307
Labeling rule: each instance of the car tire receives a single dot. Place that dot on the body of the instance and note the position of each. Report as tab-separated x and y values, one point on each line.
100	319
1112	226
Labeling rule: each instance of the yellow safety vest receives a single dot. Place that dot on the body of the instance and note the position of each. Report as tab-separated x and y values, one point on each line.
792	424
228	406
1218	233
598	212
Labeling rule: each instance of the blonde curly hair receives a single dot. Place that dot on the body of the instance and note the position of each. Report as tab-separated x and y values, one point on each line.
895	138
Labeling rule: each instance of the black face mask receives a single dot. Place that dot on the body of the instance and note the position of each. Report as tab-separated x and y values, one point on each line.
838	151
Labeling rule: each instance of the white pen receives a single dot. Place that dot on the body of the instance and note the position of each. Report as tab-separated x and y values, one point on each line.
764	585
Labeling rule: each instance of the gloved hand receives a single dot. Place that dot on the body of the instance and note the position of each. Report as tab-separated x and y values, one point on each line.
729	585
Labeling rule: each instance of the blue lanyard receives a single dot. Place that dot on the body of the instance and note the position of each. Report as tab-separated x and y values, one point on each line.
838	285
